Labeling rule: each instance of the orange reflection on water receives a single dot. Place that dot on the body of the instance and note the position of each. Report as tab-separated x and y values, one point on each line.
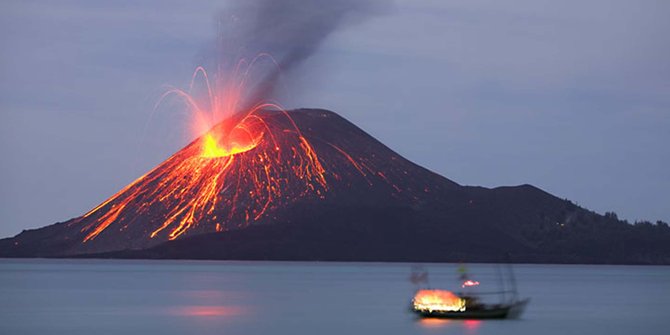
203	311
433	322
470	326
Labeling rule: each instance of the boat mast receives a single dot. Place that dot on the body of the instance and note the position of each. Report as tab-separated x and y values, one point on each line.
501	283
512	279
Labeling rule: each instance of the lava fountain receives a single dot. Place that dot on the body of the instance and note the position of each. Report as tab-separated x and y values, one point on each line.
229	177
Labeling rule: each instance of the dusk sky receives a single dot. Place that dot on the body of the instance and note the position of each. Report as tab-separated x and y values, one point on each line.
570	96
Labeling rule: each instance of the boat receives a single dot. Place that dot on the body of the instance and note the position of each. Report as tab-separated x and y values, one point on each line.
468	304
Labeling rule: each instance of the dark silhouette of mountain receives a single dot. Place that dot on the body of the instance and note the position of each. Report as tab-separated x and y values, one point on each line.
359	201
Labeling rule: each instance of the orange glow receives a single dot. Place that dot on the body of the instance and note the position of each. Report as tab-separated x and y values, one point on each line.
433	322
437	300
229	177
472	324
205	311
212	149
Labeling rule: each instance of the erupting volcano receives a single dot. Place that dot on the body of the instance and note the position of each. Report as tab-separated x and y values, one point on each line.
261	182
309	185
226	179
235	173
247	168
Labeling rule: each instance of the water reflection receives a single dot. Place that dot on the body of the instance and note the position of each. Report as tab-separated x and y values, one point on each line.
470	326
434	322
205	311
207	303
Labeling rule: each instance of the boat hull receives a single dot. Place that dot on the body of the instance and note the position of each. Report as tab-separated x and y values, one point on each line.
509	311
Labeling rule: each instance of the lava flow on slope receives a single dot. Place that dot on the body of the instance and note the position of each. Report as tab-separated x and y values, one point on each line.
217	181
227	178
253	167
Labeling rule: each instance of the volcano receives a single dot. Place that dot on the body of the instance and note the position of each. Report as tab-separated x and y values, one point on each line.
307	184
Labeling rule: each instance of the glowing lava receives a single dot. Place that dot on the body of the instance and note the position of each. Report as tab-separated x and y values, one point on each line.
227	178
211	147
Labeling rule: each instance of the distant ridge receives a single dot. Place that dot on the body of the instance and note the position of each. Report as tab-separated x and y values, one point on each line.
373	205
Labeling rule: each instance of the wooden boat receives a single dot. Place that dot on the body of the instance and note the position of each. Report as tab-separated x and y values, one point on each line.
472	310
436	303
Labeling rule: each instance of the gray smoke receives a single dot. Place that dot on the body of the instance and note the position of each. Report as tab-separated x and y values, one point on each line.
289	30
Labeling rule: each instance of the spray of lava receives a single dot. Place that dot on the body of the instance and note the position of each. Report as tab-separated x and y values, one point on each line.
230	176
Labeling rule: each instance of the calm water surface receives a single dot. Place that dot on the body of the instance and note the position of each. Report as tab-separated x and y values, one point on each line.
202	297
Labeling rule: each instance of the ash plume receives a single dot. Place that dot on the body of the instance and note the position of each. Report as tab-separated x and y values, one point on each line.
289	30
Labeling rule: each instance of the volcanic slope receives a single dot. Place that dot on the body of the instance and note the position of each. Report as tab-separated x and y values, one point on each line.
314	186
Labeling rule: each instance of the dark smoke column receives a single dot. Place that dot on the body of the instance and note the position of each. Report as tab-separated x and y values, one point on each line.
289	30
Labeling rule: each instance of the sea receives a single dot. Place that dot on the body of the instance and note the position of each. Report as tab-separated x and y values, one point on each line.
65	296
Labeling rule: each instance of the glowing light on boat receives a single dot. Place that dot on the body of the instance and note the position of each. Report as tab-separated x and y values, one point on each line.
469	283
437	301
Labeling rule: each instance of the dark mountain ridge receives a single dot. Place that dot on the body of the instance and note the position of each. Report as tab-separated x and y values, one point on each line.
374	206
